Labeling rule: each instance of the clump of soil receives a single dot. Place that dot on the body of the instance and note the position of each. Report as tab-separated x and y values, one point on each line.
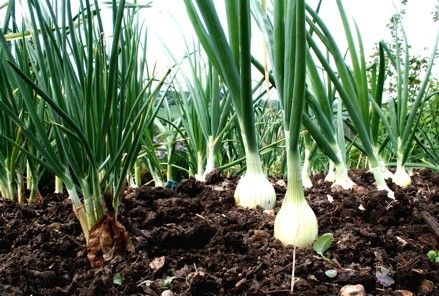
194	241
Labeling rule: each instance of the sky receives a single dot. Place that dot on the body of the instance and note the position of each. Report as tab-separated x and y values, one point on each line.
167	23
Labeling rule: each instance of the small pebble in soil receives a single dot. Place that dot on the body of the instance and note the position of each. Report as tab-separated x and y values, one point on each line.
269	213
404	293
353	290
261	234
426	287
281	183
167	293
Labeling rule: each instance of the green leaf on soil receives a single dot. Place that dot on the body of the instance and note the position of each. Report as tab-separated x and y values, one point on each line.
323	243
433	256
117	279
166	283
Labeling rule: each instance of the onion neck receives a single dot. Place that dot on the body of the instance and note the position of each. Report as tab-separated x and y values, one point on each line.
295	193
199	175
378	174
211	156
401	177
79	210
330	176
341	177
306	168
58	185
252	158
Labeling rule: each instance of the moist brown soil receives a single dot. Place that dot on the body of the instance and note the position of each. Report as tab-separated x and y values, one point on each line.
194	241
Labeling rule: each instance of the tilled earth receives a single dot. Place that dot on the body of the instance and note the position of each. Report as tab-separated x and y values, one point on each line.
194	241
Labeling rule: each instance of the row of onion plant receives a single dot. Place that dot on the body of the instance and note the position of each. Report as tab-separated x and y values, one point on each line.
82	104
295	223
404	112
353	87
17	171
97	117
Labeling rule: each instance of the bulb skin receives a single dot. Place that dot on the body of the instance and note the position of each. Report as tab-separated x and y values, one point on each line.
380	182
401	177
342	179
254	190
296	224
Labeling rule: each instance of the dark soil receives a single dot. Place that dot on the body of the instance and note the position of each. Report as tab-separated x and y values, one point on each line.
196	242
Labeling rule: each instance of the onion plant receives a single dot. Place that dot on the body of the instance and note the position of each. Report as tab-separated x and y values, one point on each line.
319	116
168	124
232	60
295	223
97	127
205	110
353	88
16	169
12	160
328	112
403	111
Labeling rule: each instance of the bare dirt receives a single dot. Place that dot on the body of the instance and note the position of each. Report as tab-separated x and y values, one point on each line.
194	241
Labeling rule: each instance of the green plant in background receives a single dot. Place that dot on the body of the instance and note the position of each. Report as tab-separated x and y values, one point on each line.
328	113
318	118
17	171
268	115
174	147
205	109
12	159
150	154
427	138
404	111
153	152
232	59
97	127
353	88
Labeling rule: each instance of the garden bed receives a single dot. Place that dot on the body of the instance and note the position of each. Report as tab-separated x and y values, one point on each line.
194	241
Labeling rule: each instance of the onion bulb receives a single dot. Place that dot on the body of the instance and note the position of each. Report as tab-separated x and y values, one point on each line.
401	177
296	224
254	190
